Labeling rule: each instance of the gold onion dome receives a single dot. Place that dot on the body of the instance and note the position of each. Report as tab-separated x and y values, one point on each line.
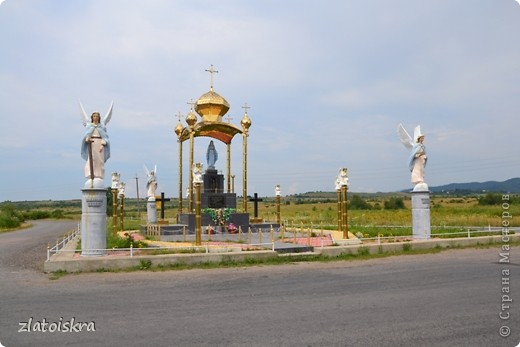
178	129
246	121
211	107
191	118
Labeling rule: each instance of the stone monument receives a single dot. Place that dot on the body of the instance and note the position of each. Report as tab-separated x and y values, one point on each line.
213	195
151	185
417	159
95	149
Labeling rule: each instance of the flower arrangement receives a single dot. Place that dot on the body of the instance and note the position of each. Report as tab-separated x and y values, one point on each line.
220	216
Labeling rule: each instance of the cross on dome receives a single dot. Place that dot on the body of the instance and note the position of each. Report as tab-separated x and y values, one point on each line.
211	70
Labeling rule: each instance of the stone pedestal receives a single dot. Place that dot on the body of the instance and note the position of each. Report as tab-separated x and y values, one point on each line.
421	215
151	209
93	222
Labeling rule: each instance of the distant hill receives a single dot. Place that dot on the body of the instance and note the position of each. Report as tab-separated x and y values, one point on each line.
510	186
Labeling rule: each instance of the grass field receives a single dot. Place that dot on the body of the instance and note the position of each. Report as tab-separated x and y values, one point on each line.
448	214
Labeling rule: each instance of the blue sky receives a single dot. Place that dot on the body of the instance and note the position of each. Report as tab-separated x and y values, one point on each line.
327	81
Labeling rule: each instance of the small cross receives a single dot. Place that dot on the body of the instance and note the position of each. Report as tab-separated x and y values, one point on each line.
179	116
229	119
255	201
245	107
161	199
191	103
211	71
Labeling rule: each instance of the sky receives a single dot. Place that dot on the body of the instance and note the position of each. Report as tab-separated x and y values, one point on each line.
327	83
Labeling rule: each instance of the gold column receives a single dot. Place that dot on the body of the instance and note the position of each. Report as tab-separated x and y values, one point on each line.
228	168
114	211
338	191
278	194
244	173
191	119
198	226
342	187
344	211
178	131
197	180
246	123
121	217
190	197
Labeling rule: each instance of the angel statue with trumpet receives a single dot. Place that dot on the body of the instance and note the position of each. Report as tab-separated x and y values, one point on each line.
95	147
417	159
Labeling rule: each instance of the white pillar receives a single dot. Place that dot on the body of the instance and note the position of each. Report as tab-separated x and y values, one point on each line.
93	222
151	210
421	215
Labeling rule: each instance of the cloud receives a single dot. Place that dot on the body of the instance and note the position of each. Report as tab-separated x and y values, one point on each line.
327	86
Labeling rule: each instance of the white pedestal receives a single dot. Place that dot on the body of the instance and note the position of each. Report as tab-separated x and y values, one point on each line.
421	215
151	210
93	222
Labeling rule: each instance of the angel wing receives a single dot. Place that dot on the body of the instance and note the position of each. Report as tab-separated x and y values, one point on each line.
84	117
404	137
146	170
155	170
109	114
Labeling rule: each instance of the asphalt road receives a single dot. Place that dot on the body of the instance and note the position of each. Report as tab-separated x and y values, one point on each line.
452	298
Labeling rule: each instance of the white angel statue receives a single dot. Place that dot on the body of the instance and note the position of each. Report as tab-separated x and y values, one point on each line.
95	147
151	184
121	192
417	159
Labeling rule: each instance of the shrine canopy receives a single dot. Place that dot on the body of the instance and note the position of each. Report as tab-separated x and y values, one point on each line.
211	107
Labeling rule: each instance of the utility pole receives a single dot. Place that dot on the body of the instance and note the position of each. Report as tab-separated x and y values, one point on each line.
137	189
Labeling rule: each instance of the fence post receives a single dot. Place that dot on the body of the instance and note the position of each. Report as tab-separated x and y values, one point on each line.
131	250
469	234
48	252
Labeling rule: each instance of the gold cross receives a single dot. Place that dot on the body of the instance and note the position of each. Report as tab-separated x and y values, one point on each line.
229	119
211	71
191	103
245	107
179	116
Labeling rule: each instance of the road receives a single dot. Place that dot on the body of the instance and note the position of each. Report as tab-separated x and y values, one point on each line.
452	298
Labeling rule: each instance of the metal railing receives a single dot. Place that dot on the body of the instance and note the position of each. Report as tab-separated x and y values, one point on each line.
466	233
133	251
68	237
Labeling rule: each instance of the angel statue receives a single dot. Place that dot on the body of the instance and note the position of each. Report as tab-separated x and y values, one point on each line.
95	147
417	159
151	184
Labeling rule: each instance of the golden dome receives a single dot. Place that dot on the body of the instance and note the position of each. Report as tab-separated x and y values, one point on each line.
246	122
178	129
211	107
191	118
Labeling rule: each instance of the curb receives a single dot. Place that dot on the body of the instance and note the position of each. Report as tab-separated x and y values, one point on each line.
65	262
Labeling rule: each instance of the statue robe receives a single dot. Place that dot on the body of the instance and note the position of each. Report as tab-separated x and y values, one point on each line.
100	149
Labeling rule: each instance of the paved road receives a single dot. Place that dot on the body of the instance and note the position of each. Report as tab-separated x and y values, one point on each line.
451	298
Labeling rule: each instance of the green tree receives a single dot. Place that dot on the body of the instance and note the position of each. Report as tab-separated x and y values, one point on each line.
357	203
490	199
394	203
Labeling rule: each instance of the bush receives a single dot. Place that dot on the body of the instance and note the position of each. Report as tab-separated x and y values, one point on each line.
357	203
394	203
490	199
9	217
